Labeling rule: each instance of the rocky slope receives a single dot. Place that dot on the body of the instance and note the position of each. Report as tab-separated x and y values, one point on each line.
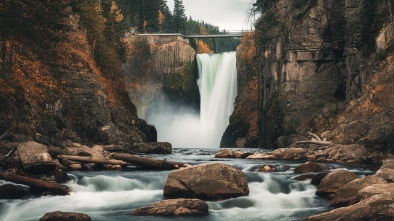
325	67
55	91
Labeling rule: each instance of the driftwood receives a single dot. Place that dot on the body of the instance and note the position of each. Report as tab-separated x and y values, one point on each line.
315	140
99	160
148	163
36	184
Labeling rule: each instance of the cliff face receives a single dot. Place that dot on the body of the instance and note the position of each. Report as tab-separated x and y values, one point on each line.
242	129
161	69
313	62
62	94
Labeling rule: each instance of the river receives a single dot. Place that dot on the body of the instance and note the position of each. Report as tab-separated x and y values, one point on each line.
113	195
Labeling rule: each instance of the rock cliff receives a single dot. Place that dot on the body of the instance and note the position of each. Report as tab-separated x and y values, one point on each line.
56	91
319	72
161	68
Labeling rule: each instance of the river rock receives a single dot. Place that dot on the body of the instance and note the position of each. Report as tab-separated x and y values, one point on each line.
331	183
316	180
267	169
311	167
386	171
376	203
207	181
65	216
292	153
35	158
228	153
10	191
151	148
349	193
175	207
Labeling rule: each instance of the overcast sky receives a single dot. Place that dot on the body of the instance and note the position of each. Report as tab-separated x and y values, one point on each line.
227	14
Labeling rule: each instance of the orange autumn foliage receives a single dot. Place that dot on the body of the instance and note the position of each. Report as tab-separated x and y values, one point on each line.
202	47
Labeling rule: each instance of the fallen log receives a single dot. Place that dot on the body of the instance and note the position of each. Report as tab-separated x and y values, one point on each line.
148	163
89	159
39	185
315	140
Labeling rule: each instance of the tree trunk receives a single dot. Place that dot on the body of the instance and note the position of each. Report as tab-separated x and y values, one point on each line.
94	160
148	163
36	184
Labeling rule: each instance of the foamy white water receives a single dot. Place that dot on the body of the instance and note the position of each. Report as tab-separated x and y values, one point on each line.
185	128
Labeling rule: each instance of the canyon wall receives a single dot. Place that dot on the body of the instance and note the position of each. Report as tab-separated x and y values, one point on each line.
161	68
320	66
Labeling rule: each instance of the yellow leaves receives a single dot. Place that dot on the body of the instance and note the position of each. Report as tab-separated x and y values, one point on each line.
202	47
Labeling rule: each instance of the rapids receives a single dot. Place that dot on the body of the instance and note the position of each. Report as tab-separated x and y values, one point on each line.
113	195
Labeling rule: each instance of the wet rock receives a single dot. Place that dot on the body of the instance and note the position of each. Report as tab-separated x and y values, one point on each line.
376	203
267	169
83	150
331	183
35	158
61	176
10	191
311	167
228	153
317	179
349	193
65	216
290	153
264	156
386	171
151	148
175	207
207	181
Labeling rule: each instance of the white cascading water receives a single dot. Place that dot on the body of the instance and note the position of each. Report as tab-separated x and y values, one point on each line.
218	88
217	83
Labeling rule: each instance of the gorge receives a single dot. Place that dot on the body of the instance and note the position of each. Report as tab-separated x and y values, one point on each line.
84	102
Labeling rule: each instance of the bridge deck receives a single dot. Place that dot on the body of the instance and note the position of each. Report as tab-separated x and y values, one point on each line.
229	35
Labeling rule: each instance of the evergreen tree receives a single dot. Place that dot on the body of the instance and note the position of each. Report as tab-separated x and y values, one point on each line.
179	17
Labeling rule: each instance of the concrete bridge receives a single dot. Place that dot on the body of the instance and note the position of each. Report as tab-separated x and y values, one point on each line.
232	34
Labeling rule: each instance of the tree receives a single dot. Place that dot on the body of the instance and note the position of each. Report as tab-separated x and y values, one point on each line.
179	16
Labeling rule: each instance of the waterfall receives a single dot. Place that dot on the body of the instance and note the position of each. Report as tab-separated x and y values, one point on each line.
186	128
218	88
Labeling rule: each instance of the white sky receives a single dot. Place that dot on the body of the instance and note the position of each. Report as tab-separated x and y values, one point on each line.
227	14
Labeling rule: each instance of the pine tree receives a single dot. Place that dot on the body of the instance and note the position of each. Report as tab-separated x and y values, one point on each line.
179	17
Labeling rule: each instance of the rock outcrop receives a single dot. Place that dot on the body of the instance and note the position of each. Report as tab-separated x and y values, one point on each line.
175	207
207	181
65	216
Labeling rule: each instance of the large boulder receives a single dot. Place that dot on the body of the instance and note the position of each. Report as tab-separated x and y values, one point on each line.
175	207
331	183
376	204
35	158
207	181
311	167
228	153
353	153
65	216
349	193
